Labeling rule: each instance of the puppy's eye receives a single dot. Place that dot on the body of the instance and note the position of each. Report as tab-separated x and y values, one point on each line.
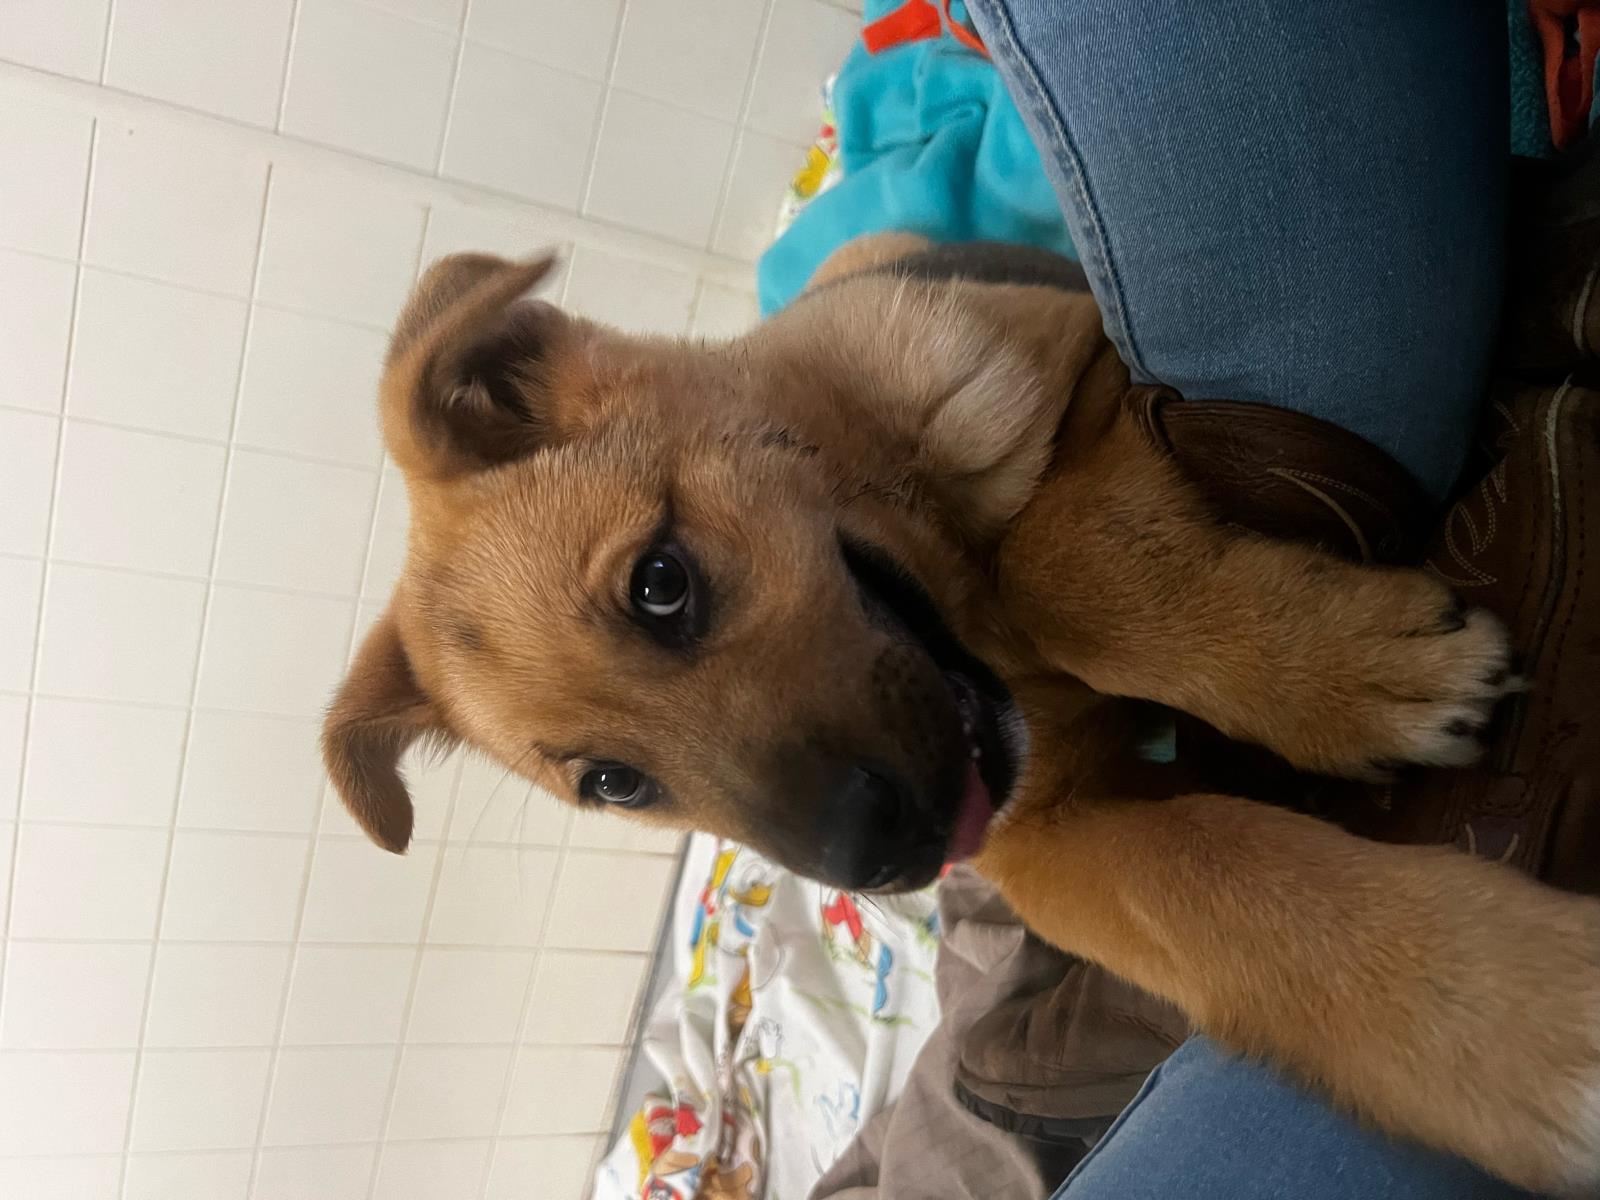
660	585
614	783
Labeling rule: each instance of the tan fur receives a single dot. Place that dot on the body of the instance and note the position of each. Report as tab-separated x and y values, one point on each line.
984	434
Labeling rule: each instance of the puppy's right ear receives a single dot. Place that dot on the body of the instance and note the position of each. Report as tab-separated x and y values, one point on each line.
470	366
378	712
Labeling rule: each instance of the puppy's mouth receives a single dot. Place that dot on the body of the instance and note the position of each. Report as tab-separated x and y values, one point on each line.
993	739
993	733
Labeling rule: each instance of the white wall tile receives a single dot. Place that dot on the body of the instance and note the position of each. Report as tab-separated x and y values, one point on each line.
336	247
469	995
360	893
229	60
599	830
20	581
216	995
233	886
636	296
223	1175
492	895
13	722
291	523
448	1091
27	471
431	1170
314	1172
757	183
311	387
453	228
682	155
558	33
35	325
560	1090
97	1177
115	636
806	41
492	805
695	54
173	207
250	772
144	501
41	208
155	356
348	995
444	13
54	1103
87	883
65	37
199	1099
368	81
547	1166
108	763
584	999
272	653
321	1096
77	996
608	901
520	127
721	312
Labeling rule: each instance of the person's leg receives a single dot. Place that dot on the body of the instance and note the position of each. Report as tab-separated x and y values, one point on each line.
1289	203
1210	1126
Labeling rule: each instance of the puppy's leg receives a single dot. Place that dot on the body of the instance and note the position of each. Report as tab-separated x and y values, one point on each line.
1120	576
1440	997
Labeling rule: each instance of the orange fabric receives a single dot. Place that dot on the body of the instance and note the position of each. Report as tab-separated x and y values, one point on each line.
916	21
911	22
1569	32
962	34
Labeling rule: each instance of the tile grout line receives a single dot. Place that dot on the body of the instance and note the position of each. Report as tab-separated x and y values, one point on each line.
452	87
35	669
439	851
288	64
740	131
409	1007
532	984
317	821
606	86
194	679
105	43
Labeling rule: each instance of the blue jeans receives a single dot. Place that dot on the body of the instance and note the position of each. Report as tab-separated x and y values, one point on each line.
1303	205
1293	203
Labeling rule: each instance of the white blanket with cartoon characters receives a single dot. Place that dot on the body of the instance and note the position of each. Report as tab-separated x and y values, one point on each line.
796	1012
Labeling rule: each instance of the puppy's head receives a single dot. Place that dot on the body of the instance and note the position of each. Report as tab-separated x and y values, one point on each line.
627	586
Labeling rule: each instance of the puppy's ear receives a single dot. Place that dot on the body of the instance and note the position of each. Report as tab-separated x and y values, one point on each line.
377	713
470	367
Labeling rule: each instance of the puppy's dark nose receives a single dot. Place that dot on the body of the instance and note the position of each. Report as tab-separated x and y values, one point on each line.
871	828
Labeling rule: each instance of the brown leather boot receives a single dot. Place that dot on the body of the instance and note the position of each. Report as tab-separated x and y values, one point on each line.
1551	321
1525	544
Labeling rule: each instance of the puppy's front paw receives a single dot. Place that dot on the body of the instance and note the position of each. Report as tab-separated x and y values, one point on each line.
1435	701
1408	677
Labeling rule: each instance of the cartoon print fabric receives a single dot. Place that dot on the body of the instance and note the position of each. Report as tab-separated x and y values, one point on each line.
796	1013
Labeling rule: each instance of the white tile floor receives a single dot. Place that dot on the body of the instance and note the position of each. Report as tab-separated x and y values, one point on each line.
211	987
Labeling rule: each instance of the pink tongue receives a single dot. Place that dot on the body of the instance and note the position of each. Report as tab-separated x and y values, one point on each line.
973	819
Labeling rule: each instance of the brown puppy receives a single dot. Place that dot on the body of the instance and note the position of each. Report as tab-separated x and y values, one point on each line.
859	588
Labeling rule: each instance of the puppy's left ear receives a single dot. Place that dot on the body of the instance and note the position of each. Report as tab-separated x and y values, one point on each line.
472	367
378	712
